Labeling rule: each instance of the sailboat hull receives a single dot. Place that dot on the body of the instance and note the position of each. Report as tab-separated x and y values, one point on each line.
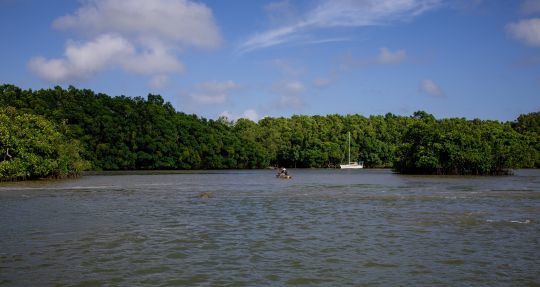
353	165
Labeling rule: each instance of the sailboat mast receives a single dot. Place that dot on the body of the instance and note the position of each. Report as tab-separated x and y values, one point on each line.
349	147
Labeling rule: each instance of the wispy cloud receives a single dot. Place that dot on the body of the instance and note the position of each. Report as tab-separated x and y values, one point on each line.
339	13
287	67
213	92
289	87
527	31
387	57
431	88
294	87
290	94
281	12
326	40
348	62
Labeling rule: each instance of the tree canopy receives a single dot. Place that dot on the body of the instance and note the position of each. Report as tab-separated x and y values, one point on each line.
457	146
31	147
122	133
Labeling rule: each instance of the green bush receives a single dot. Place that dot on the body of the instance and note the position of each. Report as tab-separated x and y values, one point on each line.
31	147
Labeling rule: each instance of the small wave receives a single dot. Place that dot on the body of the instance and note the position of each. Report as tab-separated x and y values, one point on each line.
58	188
372	264
152	270
453	262
526	221
157	184
306	281
88	187
177	255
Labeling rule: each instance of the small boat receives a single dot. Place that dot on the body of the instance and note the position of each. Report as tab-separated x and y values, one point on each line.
283	176
352	164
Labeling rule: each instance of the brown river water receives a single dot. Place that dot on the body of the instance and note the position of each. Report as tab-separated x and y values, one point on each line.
324	227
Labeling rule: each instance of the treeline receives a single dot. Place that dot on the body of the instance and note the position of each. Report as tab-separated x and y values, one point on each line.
458	146
123	133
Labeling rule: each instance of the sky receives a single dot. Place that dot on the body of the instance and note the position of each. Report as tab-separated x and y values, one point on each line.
252	59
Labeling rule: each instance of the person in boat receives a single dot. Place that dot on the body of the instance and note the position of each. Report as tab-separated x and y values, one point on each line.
282	172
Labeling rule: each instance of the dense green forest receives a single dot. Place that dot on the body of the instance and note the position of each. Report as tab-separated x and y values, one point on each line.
123	133
32	147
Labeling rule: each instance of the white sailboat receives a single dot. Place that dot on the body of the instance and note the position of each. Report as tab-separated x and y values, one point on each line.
352	164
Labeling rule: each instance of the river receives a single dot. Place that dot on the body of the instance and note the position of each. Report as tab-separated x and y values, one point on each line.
324	227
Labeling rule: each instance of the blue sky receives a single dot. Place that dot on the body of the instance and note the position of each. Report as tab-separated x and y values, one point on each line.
241	58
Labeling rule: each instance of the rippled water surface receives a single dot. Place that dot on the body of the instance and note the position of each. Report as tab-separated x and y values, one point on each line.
322	228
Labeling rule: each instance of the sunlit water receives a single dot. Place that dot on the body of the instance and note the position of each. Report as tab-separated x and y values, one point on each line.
322	228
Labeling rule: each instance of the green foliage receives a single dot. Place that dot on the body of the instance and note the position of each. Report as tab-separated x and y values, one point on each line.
458	146
528	123
529	126
121	133
31	147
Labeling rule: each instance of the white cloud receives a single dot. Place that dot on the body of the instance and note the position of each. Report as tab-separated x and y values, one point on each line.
339	13
431	88
152	62
54	70
213	92
137	36
530	7
527	31
82	61
250	114
387	57
178	21
228	116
